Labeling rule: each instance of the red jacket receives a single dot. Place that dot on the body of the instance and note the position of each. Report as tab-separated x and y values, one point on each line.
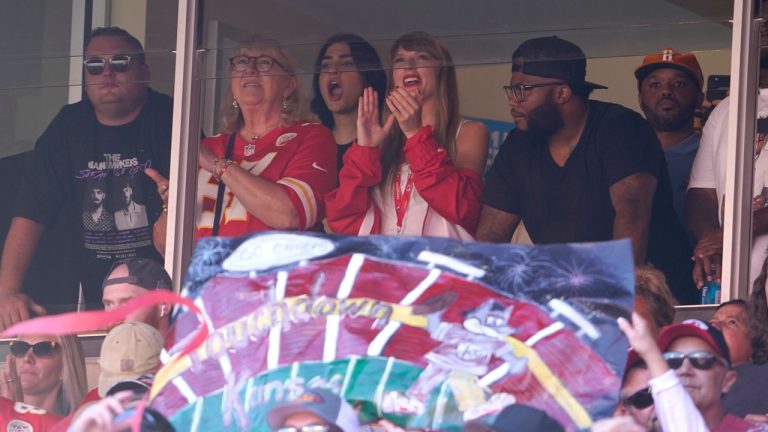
454	193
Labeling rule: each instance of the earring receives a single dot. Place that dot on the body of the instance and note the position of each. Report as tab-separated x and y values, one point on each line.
162	311
285	104
235	104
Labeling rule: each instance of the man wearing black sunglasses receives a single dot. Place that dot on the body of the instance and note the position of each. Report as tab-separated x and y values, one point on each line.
636	399
121	129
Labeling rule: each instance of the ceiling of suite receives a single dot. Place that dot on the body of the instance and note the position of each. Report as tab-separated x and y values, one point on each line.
487	31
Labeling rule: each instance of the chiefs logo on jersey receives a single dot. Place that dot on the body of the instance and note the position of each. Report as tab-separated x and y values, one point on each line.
19	426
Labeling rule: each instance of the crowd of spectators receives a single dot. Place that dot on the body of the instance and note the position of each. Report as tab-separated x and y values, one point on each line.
392	156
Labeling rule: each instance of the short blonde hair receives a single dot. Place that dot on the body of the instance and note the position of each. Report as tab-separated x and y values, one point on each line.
231	119
651	284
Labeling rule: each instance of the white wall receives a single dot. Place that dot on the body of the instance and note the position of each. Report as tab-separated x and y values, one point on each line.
481	91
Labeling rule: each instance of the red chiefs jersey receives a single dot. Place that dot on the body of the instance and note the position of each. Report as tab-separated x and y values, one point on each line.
301	158
20	417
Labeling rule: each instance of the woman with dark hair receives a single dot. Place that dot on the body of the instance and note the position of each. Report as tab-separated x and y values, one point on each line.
752	376
420	172
345	65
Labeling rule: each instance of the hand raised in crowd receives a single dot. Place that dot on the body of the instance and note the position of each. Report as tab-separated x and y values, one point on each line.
16	307
641	340
370	131
99	416
707	257
757	418
406	108
10	385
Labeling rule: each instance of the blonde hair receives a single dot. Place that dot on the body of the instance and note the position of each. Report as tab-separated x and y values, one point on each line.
447	98
231	119
74	378
651	284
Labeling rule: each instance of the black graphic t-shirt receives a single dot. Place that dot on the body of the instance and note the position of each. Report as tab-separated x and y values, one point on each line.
93	175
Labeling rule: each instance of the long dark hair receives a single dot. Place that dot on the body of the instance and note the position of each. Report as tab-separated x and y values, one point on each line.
368	65
447	100
758	318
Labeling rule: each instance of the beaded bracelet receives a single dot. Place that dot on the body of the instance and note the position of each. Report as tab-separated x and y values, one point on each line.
227	164
215	168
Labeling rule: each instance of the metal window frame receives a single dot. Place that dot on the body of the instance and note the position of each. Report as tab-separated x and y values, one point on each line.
737	223
185	141
738	215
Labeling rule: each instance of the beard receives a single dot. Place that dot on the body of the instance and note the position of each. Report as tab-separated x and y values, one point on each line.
669	122
545	120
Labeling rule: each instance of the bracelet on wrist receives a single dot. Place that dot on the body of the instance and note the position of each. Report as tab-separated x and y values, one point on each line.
227	164
215	168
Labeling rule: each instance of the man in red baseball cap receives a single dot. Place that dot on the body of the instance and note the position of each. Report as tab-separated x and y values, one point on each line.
696	358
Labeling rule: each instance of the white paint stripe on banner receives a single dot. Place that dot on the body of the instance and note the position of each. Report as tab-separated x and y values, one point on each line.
380	341
197	415
333	322
378	396
208	323
348	375
494	375
546	331
442	399
248	394
224	362
273	351
184	389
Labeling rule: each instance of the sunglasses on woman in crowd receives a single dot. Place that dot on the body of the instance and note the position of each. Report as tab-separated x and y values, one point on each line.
96	65
41	349
699	359
640	399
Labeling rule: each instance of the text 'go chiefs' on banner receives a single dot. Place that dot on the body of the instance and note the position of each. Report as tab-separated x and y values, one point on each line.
429	333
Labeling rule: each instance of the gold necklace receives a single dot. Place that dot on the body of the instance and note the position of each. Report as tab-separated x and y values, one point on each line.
250	148
252	136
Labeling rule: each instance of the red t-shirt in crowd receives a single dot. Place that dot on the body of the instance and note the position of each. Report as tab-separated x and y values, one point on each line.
18	416
732	423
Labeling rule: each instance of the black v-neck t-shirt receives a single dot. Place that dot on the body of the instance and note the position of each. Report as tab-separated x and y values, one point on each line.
572	203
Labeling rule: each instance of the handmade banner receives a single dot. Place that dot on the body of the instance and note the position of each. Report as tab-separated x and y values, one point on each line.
429	333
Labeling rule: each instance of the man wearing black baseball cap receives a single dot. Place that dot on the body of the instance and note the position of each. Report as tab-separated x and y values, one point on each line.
574	169
132	277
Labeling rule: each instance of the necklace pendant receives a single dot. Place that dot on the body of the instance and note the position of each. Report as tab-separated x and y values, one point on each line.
249	150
